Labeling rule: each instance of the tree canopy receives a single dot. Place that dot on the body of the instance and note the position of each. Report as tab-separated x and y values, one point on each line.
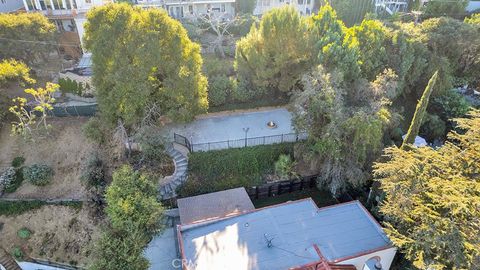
132	202
274	54
143	57
432	197
134	214
327	38
452	8
26	36
345	126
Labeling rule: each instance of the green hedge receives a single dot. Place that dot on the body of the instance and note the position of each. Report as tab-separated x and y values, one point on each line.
13	208
219	170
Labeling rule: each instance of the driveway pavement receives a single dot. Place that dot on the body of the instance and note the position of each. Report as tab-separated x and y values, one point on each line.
161	251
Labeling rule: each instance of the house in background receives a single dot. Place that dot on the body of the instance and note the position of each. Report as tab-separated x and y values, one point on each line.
7	6
181	9
222	230
391	6
305	7
69	17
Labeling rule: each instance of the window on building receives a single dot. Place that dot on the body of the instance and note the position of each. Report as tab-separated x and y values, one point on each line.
309	2
190	9
59	25
223	7
48	4
30	5
57	4
300	2
88	1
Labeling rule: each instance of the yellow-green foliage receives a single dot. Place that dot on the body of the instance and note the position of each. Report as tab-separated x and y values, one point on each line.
29	120
432	199
369	39
474	19
14	70
132	202
141	57
33	27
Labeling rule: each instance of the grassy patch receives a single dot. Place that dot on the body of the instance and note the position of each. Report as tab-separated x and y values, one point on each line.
219	170
13	208
321	197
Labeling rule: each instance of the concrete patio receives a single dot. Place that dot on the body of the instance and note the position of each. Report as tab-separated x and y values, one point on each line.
235	130
161	252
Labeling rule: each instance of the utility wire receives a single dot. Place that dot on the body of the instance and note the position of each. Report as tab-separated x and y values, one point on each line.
70	44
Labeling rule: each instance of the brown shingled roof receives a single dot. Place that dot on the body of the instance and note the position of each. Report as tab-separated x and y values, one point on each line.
214	205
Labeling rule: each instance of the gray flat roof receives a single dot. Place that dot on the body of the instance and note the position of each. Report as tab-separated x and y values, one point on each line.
214	205
240	242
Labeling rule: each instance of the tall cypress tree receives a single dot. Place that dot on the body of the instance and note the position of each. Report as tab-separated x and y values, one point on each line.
419	112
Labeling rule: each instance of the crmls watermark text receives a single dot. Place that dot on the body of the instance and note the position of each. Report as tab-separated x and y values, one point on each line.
177	263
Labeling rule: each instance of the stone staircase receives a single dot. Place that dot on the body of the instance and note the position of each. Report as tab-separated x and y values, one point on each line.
180	159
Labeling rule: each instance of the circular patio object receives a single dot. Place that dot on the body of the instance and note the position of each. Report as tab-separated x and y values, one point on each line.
271	124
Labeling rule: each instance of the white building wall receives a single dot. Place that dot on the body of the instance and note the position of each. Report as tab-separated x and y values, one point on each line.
79	22
386	258
10	5
305	7
193	9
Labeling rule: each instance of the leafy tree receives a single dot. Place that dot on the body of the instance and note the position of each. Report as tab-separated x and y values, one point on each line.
26	36
430	208
456	41
451	105
120	250
30	120
327	37
143	57
419	113
134	214
132	202
245	6
218	90
452	8
274	54
219	24
369	38
344	136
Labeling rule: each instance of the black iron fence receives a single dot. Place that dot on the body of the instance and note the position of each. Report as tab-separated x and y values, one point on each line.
239	143
182	140
281	187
